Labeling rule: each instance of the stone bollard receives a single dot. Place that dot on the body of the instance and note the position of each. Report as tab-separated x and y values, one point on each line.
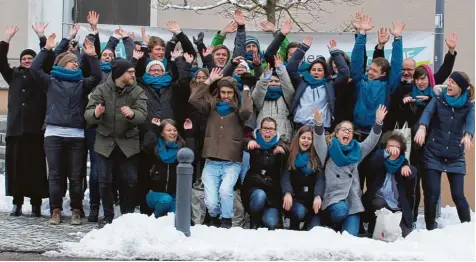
183	211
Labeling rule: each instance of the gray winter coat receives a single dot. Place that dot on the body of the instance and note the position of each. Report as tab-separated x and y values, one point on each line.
343	183
278	109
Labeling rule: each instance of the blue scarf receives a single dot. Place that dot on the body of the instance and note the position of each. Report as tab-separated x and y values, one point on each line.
194	70
454	102
106	67
64	74
417	92
302	68
273	93
263	144
313	82
167	151
163	62
224	108
238	79
249	57
393	165
302	162
157	82
344	155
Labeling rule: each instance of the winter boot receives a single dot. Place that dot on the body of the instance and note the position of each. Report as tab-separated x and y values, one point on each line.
76	217
255	221
55	217
225	223
108	219
93	213
214	222
36	211
16	211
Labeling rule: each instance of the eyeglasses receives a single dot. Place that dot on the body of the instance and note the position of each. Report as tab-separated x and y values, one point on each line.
349	130
268	129
74	62
158	71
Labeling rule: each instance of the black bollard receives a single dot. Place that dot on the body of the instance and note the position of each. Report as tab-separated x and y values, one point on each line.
183	208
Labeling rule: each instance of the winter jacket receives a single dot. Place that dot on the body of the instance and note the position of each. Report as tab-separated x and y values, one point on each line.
278	109
279	46
405	186
114	129
162	109
372	93
163	176
445	127
26	99
65	100
301	85
343	183
224	134
264	173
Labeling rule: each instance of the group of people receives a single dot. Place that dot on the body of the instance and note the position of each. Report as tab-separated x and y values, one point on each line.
272	134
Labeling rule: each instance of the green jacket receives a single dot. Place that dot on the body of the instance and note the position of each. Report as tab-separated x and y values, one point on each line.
114	129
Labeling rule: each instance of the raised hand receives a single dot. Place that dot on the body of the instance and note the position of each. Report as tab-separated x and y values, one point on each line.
383	36
278	61
397	29
156	121
50	42
127	112
357	21
267	26
208	51
216	74
420	136
366	23
316	204
286	27
88	48
252	145
187	125
188	58
174	27
73	31
237	60
406	171
131	35
381	113
39	28
466	141
145	36
10	31
199	39
307	40
176	53
332	44
231	27
93	19
99	110
256	59
451	41
239	17
137	54
317	115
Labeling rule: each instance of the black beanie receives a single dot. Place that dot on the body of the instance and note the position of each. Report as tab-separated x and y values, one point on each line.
28	52
119	66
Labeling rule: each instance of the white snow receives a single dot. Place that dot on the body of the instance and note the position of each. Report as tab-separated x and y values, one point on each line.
136	236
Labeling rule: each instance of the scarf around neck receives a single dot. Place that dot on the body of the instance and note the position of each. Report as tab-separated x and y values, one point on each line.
157	82
64	74
456	102
273	93
392	165
167	151
106	67
302	162
417	92
224	108
263	144
344	155
313	82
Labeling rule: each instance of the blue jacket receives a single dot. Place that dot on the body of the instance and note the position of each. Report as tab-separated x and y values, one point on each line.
297	80
446	126
372	93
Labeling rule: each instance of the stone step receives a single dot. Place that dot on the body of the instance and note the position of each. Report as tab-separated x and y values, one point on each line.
3	138
3	123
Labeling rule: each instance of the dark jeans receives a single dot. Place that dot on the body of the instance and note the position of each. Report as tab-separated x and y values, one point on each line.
126	175
339	214
432	189
269	216
64	152
18	200
90	135
417	160
299	213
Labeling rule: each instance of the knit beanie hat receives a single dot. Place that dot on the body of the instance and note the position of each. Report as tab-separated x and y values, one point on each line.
431	77
252	40
65	58
119	66
152	63
28	52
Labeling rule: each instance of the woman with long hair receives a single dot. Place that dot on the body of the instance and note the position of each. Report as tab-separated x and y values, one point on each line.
302	182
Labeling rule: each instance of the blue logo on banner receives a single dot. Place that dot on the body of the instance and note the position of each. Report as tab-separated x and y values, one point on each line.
120	50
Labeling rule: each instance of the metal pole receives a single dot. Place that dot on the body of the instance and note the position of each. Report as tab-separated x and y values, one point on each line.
183	208
439	45
67	16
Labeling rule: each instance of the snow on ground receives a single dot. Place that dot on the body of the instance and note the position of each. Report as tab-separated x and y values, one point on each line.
136	236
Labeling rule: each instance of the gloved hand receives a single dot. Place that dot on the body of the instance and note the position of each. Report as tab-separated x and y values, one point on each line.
248	79
198	40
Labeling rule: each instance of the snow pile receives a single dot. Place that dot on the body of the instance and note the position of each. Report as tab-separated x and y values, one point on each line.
136	236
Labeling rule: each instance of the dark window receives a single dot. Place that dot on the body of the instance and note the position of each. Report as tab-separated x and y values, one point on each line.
118	12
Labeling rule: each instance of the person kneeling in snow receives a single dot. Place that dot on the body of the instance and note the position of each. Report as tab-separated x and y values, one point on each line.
163	175
391	184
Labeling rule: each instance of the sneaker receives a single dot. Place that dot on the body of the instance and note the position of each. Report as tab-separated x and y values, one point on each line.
94	213
55	217
76	217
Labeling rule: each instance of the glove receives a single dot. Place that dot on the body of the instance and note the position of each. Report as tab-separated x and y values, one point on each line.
199	40
248	79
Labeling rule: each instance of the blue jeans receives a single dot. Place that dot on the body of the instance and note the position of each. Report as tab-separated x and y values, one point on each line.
299	213
432	189
245	166
162	203
270	216
339	214
219	178
90	135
